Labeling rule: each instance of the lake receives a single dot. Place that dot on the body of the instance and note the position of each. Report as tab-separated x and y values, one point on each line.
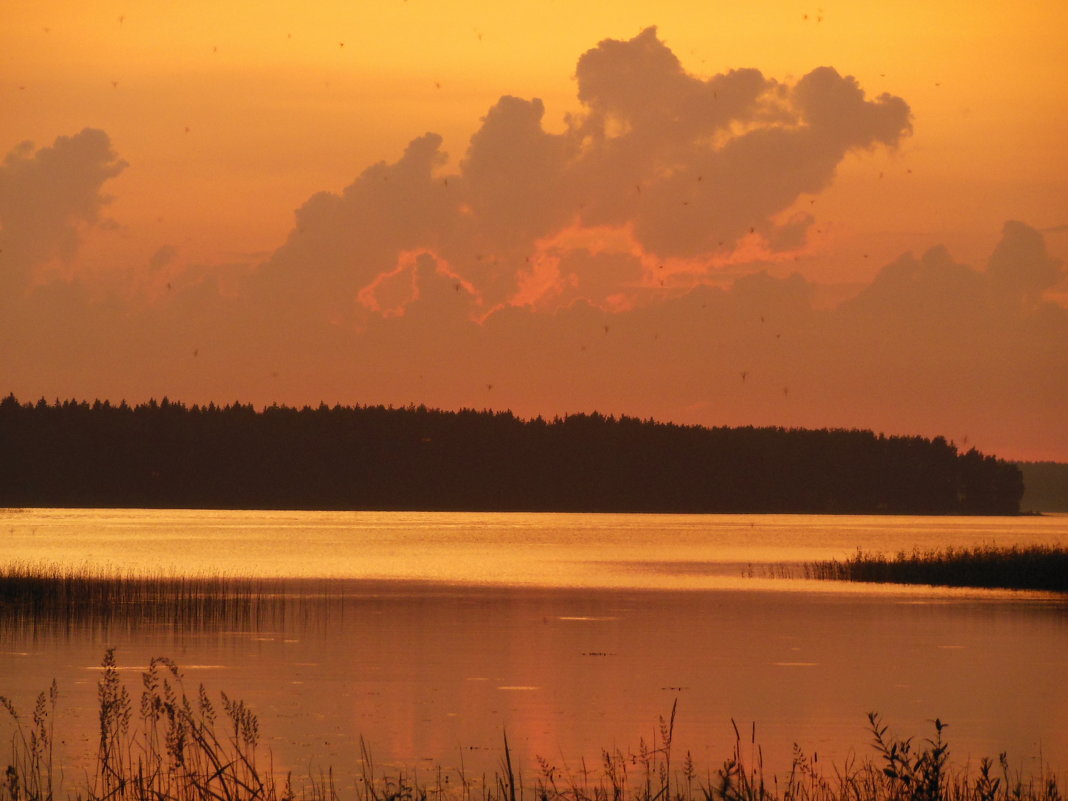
431	635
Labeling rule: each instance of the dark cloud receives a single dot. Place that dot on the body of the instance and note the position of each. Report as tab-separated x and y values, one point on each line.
47	197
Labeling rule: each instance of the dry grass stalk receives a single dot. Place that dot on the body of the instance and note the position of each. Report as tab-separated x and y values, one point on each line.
179	747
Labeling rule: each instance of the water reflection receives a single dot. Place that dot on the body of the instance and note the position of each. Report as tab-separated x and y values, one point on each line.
548	550
430	635
433	673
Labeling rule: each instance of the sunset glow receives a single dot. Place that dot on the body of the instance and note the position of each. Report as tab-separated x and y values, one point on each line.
848	215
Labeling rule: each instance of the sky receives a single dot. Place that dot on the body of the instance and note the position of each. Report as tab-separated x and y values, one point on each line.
848	215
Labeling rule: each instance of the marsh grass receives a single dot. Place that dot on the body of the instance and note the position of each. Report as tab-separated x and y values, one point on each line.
44	587
1035	567
42	596
179	746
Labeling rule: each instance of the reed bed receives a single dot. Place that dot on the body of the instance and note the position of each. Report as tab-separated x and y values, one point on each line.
175	746
42	595
1034	567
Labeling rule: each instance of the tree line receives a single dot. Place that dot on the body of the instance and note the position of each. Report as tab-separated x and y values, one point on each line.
169	455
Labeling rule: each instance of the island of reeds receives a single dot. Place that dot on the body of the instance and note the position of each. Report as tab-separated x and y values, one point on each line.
179	746
169	455
37	598
1033	567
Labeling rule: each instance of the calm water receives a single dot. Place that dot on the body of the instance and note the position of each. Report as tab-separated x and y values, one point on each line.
573	632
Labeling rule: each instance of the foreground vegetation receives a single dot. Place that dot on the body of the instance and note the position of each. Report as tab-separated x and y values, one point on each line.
167	455
1035	567
178	747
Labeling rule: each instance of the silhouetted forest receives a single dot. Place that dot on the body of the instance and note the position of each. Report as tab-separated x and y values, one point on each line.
165	454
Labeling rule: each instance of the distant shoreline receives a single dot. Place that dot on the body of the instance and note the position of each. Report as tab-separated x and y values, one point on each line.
372	510
167	455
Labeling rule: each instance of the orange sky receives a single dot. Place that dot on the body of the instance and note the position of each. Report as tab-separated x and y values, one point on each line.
604	217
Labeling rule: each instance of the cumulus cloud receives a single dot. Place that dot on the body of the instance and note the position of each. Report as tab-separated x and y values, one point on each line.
47	197
696	164
680	167
1020	268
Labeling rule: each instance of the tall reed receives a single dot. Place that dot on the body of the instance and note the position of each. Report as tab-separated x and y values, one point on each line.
42	596
44	587
179	747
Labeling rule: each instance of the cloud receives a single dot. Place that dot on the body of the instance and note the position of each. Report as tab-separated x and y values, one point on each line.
512	179
681	167
937	291
922	291
616	265
963	340
1020	268
163	256
47	197
696	164
342	243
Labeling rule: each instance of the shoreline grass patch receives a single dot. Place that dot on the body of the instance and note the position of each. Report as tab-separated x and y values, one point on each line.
40	595
1033	567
